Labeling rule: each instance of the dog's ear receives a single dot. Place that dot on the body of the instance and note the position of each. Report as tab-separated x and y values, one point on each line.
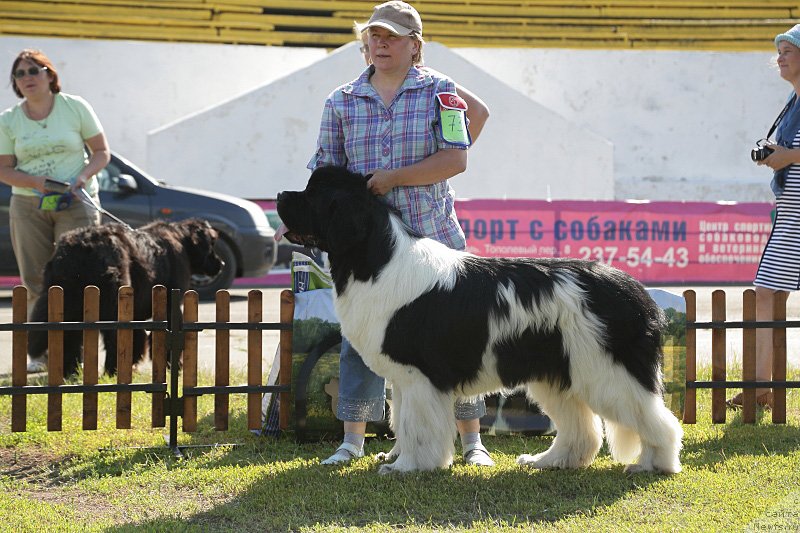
348	223
201	232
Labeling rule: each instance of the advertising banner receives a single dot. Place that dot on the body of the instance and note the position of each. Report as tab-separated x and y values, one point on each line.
657	242
666	243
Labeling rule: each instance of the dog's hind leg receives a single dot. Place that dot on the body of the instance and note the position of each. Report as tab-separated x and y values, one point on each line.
424	427
37	339
108	311
110	344
579	432
648	421
637	423
139	344
623	443
73	343
665	435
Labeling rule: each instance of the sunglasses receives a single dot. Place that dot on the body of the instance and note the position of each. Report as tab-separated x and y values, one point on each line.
32	71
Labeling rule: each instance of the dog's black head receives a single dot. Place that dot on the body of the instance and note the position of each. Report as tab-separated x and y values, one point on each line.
331	214
201	238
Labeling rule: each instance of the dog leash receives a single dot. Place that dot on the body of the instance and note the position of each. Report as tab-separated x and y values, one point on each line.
92	203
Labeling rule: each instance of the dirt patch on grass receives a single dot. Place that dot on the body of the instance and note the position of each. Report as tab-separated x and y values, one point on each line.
39	474
27	465
44	477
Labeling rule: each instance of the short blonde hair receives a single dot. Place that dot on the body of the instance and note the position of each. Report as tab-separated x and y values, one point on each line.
360	31
418	59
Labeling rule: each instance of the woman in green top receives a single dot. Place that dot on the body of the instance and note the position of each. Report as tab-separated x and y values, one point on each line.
44	137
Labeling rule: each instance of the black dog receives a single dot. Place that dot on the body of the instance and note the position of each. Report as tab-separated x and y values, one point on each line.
581	338
110	256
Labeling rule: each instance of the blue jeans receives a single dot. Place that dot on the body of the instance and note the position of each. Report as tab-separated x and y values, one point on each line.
362	393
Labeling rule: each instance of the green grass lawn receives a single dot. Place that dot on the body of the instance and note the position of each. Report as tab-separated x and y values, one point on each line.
736	477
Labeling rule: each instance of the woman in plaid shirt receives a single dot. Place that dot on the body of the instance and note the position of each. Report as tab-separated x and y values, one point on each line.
405	125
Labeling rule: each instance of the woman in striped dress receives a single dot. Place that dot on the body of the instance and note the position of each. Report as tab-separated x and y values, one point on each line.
779	268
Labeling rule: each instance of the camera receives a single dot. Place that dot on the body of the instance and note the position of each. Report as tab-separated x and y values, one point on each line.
760	152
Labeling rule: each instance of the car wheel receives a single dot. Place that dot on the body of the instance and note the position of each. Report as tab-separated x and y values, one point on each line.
207	286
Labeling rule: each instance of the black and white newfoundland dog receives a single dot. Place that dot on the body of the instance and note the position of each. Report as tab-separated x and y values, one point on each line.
113	255
583	339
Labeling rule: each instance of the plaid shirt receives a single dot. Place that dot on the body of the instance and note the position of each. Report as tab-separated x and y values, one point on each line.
359	132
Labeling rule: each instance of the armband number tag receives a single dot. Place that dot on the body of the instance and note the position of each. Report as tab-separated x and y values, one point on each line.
453	118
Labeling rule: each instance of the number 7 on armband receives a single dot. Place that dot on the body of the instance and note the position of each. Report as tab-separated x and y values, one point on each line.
453	119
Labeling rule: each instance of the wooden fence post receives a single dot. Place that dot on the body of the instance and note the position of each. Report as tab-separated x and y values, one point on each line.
690	405
749	356
254	356
222	362
158	353
285	373
124	355
190	313
779	358
718	357
91	313
19	351
55	356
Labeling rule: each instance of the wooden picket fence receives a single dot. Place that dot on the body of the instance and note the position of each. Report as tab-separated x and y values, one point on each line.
719	383
174	333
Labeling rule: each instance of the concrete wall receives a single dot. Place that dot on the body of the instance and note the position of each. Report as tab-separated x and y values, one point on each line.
271	133
139	86
681	123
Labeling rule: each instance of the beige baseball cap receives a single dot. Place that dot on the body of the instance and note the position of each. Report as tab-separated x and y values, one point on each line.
396	16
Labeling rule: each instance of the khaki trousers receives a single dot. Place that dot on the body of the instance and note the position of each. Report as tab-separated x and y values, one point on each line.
34	233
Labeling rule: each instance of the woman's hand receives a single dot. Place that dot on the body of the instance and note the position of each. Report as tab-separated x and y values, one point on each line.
435	168
16	178
382	181
40	184
781	157
80	183
101	155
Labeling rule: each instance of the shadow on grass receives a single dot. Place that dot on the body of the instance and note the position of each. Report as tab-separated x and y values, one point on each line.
289	490
357	496
294	491
721	441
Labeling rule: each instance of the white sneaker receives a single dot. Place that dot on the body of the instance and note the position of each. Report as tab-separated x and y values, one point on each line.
344	454
36	366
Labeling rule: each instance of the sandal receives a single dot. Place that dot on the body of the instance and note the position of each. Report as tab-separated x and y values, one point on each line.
476	454
344	454
766	401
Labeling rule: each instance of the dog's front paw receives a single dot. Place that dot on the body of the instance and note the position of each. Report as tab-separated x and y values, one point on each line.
388	469
391	455
386	456
542	461
527	460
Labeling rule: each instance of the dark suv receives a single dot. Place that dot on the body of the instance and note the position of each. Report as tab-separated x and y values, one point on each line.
246	243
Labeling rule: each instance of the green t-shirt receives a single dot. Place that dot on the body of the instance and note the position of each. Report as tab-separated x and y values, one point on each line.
51	147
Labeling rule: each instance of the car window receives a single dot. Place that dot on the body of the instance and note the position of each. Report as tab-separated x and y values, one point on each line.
108	178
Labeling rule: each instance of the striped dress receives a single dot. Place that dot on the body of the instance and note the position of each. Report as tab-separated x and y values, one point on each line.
779	268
